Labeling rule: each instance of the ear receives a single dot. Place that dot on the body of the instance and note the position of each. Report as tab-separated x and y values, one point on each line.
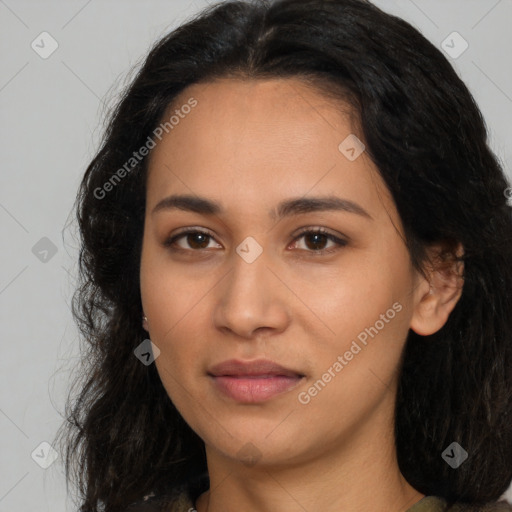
437	294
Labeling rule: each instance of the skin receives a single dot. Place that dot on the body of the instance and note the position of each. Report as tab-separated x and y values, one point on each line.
250	144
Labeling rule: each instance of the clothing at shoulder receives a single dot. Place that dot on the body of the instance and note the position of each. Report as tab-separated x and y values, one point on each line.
434	504
500	506
182	503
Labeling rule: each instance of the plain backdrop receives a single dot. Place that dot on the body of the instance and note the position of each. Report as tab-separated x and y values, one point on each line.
51	120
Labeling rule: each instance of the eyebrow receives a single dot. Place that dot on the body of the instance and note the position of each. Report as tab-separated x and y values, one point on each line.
287	208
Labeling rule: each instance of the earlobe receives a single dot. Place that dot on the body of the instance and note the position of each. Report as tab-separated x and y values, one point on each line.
438	293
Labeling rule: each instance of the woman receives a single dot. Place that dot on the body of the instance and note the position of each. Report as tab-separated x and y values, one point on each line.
295	275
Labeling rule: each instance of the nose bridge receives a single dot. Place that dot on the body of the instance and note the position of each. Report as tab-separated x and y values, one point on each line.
249	270
250	297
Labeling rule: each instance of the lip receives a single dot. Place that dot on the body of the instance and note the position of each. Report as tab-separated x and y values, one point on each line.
253	381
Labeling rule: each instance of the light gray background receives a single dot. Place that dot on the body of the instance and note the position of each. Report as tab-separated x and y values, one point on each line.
51	113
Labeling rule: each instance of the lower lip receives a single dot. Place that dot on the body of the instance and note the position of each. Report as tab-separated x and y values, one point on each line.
255	389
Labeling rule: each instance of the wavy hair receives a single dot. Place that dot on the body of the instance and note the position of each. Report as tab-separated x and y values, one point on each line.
123	437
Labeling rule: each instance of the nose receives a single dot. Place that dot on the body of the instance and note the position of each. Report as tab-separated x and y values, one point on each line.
251	300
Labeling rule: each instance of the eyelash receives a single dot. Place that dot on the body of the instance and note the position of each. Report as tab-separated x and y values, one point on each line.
306	231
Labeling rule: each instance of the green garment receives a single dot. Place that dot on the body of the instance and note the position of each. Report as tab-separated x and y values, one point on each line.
183	503
432	504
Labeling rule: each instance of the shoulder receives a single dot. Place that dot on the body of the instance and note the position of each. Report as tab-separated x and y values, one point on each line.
436	504
500	506
176	502
181	502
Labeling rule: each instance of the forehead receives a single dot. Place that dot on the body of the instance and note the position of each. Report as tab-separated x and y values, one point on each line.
279	110
258	139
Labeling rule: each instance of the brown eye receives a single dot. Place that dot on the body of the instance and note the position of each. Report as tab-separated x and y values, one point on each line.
316	240
195	240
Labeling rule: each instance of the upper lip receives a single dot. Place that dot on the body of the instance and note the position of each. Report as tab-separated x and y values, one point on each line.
260	367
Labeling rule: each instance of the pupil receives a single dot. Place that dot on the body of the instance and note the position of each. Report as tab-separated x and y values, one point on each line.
196	236
319	238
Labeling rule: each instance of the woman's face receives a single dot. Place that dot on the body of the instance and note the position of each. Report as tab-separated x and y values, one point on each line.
323	316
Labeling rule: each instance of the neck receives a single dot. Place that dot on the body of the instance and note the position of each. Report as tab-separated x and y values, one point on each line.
359	474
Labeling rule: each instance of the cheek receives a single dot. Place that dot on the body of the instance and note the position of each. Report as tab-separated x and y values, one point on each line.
355	370
174	308
181	361
352	295
368	314
168	296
